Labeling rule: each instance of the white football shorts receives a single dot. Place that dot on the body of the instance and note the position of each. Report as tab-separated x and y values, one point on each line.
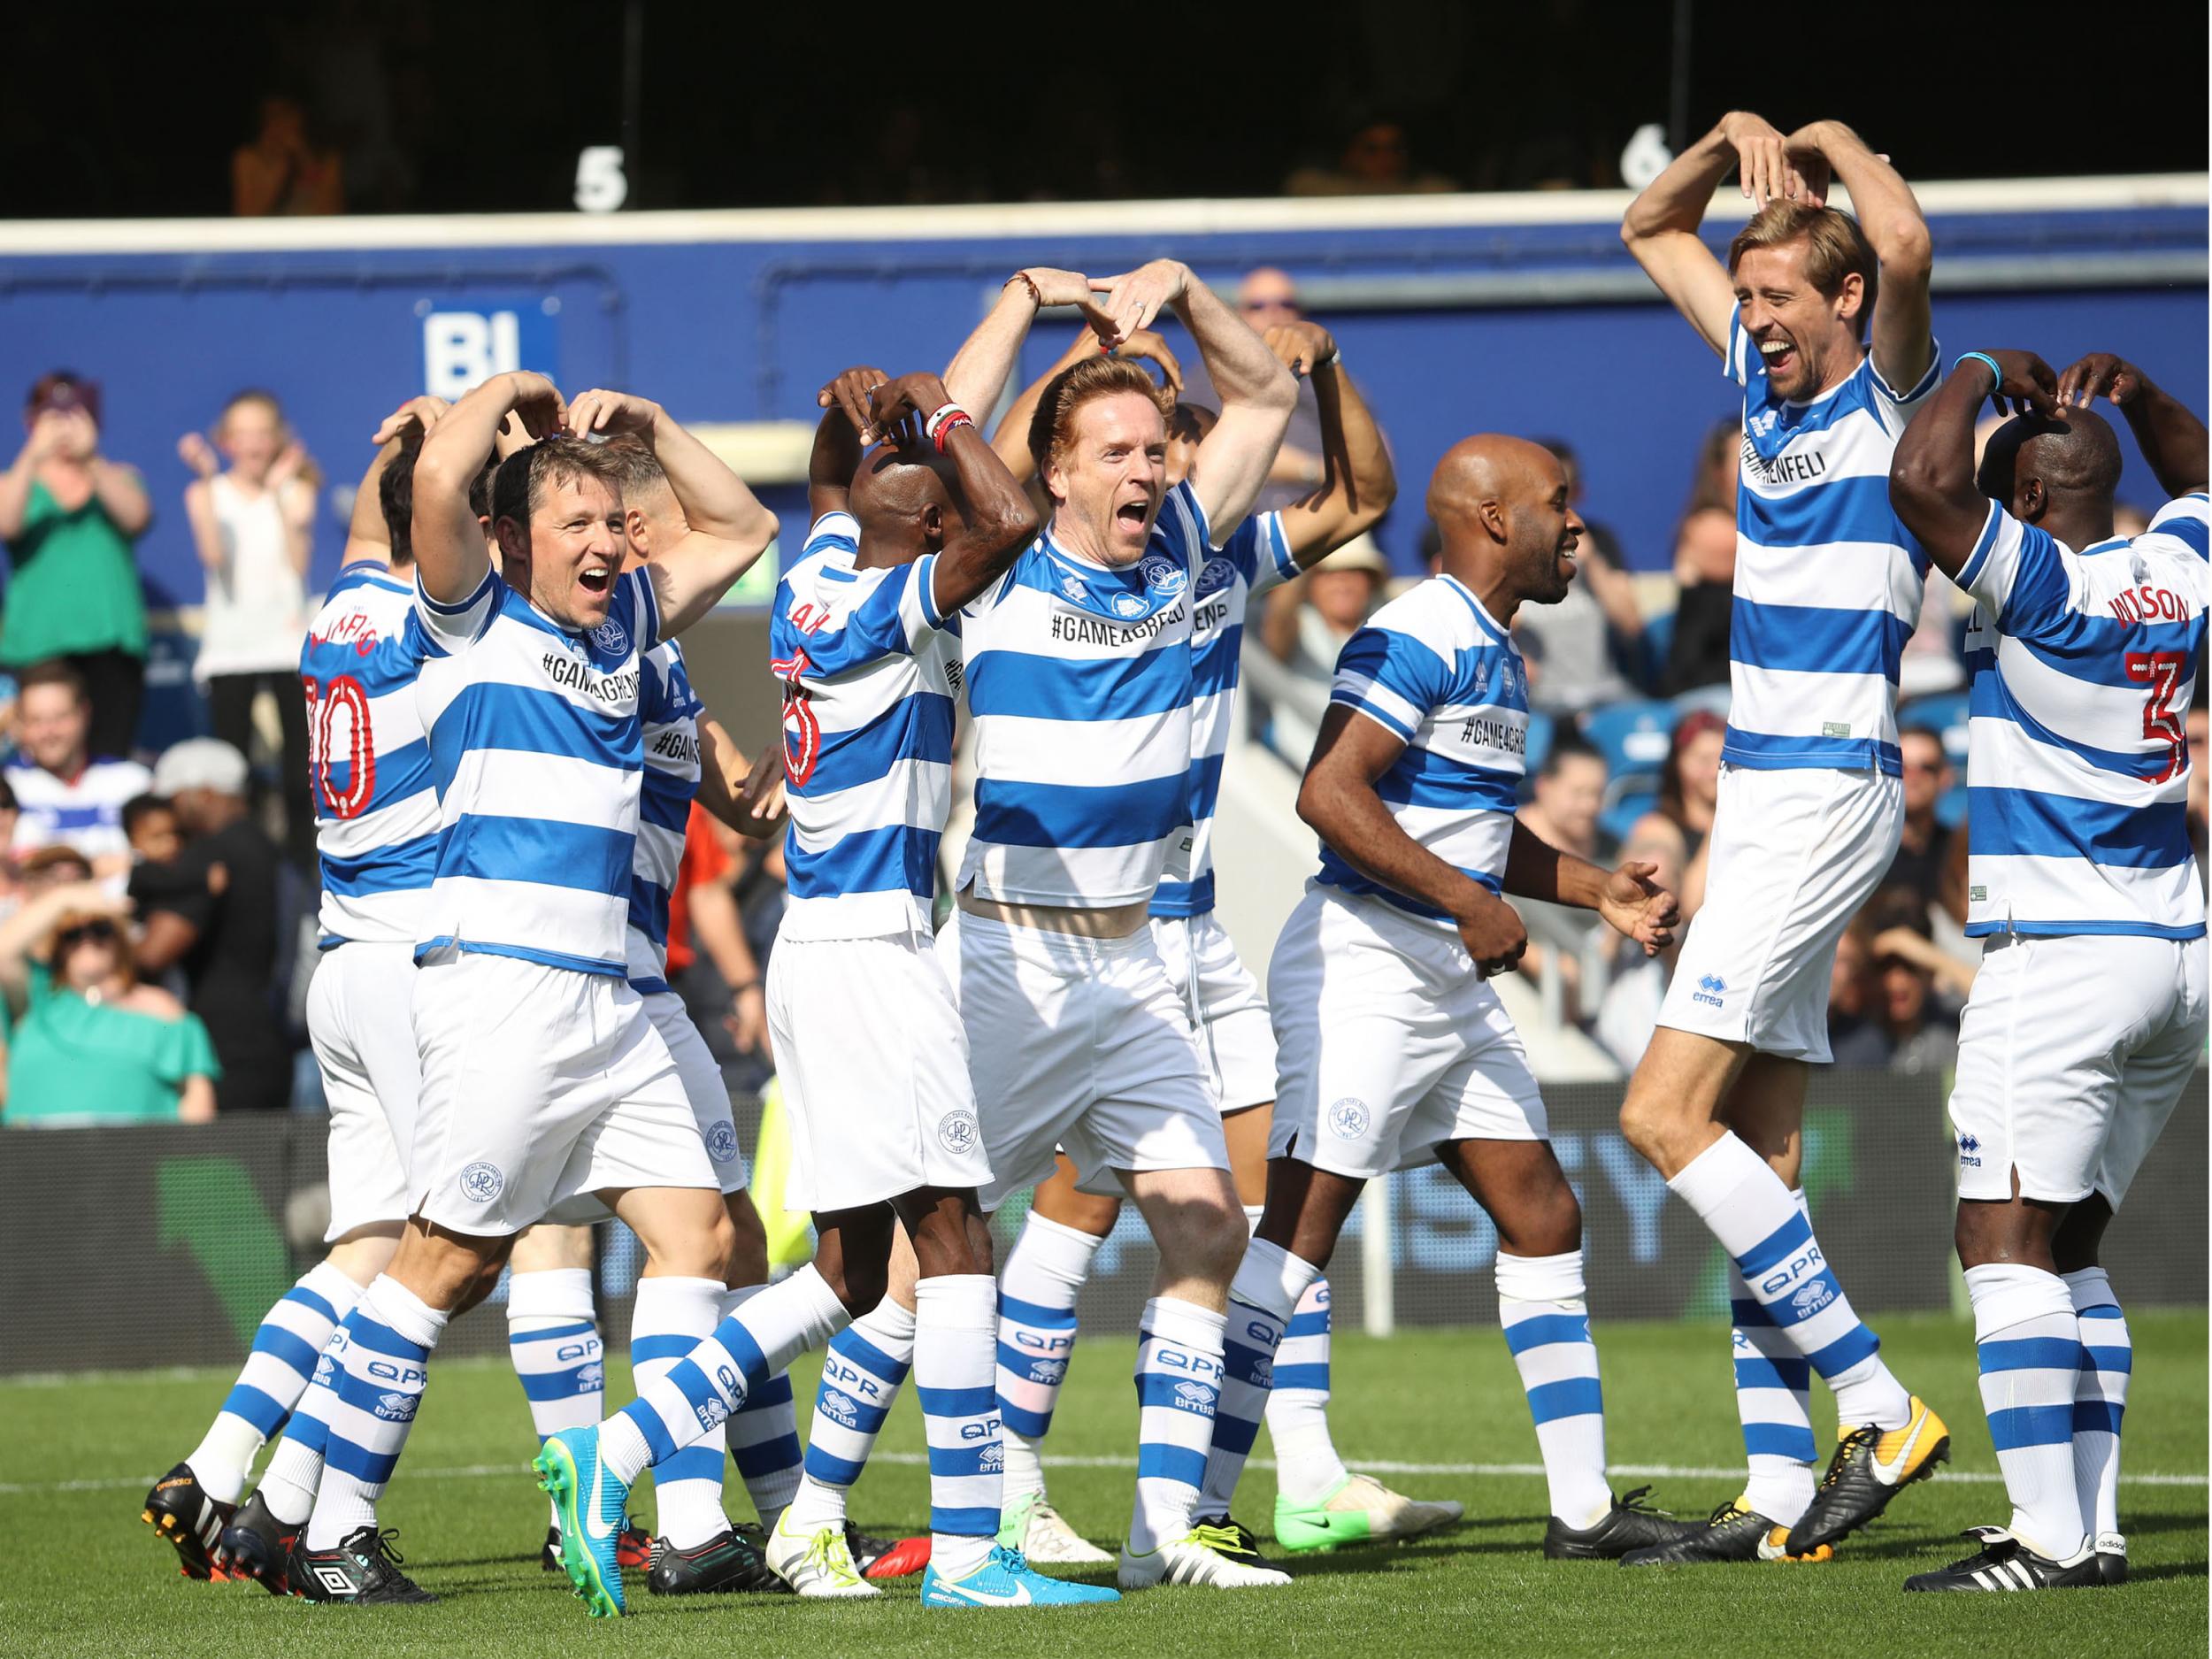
1081	1044
1391	1043
360	1026
2072	1052
540	1084
1793	854
873	1061
709	1095
1225	1006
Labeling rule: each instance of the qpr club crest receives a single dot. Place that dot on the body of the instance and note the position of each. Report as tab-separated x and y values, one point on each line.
956	1132
1162	575
611	637
1348	1118
1218	574
722	1141
482	1182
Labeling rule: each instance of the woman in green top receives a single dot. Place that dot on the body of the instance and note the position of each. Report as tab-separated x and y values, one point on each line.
69	516
90	1045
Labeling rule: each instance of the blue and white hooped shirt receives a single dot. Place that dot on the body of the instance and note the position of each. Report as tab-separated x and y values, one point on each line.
668	714
1828	580
869	670
2077	763
1079	681
1254	559
1436	670
537	745
376	803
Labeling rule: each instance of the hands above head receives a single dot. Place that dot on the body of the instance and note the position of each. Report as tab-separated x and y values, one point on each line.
2100	374
1765	166
411	422
1639	907
536	403
1146	344
1050	286
1135	297
897	409
598	413
1494	935
198	454
851	392
2026	385
1301	346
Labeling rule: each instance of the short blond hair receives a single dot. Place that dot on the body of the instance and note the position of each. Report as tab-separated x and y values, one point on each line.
1835	246
1052	428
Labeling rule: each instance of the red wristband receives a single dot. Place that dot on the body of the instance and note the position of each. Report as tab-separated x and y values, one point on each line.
942	424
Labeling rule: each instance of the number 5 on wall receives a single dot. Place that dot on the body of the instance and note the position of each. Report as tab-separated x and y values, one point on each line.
600	185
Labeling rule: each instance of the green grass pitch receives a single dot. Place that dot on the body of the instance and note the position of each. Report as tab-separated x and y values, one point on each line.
82	1575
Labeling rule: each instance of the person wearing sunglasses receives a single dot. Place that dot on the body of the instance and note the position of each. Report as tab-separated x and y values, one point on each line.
90	1045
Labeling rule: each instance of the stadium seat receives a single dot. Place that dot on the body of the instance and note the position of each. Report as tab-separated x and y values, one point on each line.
1702	699
1945	713
1620	812
1632	737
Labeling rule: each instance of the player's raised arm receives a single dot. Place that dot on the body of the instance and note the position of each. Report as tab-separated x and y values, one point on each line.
1361	481
1932	481
1883	203
367	537
450	553
1257	393
994	521
1338	800
978	371
1631	901
729	528
1660	224
2168	432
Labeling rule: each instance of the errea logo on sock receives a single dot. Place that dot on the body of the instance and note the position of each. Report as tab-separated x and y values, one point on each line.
839	1409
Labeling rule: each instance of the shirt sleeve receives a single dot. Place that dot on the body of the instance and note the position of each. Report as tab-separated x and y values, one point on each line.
2021	575
2187	518
1261	550
1183	524
645	609
1735	361
455	627
1392	678
1893	408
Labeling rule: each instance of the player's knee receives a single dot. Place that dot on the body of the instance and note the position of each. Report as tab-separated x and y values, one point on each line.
860	1285
1646	1122
1208	1240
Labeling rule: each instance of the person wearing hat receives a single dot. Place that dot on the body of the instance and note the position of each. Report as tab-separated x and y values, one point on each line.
86	1043
214	914
69	516
1307	622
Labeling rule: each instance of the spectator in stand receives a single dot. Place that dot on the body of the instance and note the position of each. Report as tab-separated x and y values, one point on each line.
149	824
89	1044
1629	1011
10	874
1570	791
2198	732
1307	622
1719	470
253	524
1922	1028
1855	1038
282	171
66	795
1926	849
216	913
1689	790
1705	572
69	516
1588	643
1376	161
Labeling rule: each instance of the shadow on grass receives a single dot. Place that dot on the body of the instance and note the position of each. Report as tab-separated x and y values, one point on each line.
2166	1570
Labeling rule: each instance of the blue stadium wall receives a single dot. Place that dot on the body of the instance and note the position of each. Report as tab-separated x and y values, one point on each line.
1456	314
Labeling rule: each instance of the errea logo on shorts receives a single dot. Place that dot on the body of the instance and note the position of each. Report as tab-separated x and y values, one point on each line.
957	1132
482	1182
1348	1118
1970	1151
1710	989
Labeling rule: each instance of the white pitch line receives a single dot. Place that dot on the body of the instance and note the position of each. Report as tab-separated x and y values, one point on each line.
1677	1472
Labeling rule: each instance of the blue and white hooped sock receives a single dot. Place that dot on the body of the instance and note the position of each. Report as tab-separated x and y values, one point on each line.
1037	1284
703	1387
1774	1383
672	1315
276	1374
2101	1397
2027	1339
1179	1388
382	1354
1269	1285
1307	1466
1546	1324
862	1370
1744	1204
763	1434
553	1339
955	1363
